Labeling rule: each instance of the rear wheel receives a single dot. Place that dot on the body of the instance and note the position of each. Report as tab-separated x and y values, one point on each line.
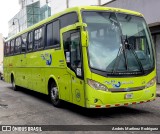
14	87
54	95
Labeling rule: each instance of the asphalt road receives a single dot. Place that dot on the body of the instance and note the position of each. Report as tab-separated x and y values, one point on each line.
26	107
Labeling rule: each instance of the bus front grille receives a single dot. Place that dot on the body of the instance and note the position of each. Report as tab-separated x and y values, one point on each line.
126	89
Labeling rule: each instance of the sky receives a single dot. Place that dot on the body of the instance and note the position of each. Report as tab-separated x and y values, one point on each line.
8	8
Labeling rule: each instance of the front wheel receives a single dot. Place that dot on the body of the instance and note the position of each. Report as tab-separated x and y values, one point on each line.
54	96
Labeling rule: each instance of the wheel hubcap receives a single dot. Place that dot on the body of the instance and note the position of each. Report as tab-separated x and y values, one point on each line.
54	93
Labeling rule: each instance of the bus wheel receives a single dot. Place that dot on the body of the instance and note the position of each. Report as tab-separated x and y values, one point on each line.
14	87
54	96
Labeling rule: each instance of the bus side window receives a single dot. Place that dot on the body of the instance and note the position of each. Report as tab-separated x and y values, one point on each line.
76	53
38	39
56	33
7	48
72	51
30	41
49	34
66	46
12	47
53	34
24	43
68	19
17	47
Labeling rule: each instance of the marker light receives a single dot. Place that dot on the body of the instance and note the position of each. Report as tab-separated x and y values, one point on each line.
97	85
151	83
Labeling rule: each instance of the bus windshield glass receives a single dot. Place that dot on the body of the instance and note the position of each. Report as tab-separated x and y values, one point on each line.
118	42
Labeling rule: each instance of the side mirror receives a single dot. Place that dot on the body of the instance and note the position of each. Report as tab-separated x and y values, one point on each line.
79	25
84	38
84	33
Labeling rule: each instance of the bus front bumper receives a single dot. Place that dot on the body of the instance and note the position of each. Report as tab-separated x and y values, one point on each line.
103	99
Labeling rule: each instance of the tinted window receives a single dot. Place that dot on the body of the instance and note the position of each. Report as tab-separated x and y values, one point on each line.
12	47
67	42
56	36
53	34
30	41
17	45
7	48
24	42
49	35
68	19
38	43
72	51
75	51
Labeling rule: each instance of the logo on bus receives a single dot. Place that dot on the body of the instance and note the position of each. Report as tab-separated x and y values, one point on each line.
78	95
117	84
47	57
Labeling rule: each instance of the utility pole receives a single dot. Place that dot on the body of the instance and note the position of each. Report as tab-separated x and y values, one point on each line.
67	3
23	3
47	8
99	2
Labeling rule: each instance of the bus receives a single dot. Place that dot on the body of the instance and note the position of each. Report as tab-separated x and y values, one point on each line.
91	56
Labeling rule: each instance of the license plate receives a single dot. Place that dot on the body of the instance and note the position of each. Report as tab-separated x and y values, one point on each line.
128	96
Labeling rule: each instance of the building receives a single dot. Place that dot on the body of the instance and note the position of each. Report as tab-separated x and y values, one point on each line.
33	11
150	10
1	48
60	5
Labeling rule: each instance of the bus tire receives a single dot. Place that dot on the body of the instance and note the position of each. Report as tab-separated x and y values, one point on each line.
54	95
14	86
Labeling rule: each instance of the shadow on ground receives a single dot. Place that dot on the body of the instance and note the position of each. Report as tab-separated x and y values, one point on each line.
92	113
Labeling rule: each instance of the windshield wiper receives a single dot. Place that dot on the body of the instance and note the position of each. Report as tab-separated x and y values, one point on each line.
126	46
138	61
117	60
122	50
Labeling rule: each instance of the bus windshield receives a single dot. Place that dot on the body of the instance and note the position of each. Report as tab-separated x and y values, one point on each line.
118	42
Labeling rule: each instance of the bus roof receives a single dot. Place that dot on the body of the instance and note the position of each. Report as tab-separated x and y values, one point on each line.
79	8
110	9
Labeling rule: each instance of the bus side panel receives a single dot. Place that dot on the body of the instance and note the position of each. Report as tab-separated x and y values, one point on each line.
6	69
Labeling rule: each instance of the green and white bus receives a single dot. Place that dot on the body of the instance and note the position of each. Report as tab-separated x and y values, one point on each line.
94	57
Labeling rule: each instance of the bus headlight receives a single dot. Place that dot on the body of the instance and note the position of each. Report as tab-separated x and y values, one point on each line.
151	83
96	85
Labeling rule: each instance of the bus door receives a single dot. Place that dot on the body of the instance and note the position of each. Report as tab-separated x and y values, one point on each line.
73	57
